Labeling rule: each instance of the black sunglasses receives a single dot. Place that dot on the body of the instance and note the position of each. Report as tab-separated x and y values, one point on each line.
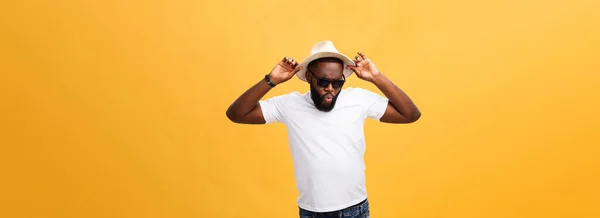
322	82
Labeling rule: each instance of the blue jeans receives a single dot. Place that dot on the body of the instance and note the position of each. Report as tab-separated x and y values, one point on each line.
361	210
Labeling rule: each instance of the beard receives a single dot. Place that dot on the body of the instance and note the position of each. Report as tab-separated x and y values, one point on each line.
318	100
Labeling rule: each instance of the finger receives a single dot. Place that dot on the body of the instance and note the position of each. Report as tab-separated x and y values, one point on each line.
358	58
362	55
353	68
358	63
286	63
356	71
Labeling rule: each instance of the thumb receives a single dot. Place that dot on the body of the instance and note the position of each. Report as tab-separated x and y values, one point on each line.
298	68
353	68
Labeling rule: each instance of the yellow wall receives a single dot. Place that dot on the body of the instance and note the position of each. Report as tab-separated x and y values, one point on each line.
117	108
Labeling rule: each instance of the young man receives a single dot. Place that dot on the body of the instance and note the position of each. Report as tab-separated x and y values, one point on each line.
325	125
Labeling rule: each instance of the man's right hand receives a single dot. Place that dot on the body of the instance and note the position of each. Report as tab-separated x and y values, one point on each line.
284	70
246	108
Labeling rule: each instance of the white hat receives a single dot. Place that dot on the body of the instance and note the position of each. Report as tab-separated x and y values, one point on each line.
324	49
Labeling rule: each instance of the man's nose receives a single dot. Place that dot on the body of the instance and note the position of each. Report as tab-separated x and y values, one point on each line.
329	87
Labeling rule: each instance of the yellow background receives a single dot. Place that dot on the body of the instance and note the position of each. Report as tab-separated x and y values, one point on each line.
117	108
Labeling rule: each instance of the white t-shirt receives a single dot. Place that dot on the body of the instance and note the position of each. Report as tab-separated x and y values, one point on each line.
327	147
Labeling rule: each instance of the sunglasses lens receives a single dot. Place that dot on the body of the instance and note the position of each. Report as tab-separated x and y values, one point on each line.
334	83
337	84
322	82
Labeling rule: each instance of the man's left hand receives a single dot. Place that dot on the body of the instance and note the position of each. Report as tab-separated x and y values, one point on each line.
365	68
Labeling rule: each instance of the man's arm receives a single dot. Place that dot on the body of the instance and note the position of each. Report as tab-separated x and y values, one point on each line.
246	108
400	108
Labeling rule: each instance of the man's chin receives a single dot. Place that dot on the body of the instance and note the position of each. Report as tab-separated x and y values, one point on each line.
325	107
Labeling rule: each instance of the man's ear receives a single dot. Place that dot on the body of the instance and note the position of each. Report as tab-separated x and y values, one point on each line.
307	76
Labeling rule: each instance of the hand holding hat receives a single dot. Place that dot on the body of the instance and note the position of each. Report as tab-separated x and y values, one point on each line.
365	68
362	66
284	70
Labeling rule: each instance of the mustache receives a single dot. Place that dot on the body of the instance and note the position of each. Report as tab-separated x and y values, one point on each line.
323	96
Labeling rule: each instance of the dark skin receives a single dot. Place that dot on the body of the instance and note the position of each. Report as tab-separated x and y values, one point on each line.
401	109
246	109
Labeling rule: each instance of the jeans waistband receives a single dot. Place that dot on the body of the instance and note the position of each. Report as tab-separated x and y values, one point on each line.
361	207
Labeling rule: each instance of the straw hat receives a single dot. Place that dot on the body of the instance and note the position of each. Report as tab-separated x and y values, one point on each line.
324	49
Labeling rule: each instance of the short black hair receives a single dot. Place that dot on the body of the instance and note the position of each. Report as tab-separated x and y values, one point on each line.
313	63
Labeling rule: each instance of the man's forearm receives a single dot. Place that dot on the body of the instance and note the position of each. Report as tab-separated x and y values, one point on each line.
397	97
248	100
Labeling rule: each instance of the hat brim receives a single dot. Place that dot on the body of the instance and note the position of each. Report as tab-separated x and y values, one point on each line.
301	74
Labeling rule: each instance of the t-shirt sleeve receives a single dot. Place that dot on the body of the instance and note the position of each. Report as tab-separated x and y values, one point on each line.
272	109
375	104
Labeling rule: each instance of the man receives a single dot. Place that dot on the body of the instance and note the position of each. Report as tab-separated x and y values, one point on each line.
325	125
